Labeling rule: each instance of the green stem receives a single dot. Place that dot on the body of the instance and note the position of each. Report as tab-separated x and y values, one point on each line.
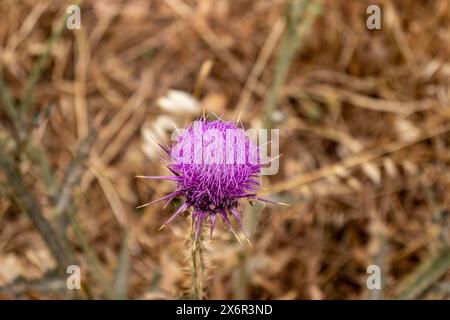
197	265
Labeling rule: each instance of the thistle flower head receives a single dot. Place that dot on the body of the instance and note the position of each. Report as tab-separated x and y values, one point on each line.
214	164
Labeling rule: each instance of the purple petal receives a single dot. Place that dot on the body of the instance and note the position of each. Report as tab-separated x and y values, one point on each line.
164	148
169	196
158	177
180	210
228	223
269	201
194	216
238	218
199	224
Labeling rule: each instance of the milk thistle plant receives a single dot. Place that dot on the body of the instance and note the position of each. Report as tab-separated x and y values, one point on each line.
214	165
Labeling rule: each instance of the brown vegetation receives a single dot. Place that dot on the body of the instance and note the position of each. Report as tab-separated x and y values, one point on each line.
363	118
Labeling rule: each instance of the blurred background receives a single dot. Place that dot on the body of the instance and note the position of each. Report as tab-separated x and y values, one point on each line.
364	120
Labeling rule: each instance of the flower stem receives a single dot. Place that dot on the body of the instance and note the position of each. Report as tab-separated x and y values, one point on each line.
197	265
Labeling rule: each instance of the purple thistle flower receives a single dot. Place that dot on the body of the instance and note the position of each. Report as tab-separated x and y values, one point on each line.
214	164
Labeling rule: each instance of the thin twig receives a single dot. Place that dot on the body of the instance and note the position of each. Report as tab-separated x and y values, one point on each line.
92	258
36	73
258	67
356	160
25	200
10	106
425	275
291	43
122	271
208	36
38	68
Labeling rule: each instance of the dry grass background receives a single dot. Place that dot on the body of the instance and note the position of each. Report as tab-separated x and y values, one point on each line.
363	118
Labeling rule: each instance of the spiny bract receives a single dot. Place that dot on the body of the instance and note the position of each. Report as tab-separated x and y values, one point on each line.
214	164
